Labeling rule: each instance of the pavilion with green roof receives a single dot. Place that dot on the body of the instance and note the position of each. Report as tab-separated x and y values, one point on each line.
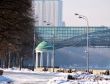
43	47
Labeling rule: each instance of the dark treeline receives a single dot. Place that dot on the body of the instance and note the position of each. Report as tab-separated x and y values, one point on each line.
16	31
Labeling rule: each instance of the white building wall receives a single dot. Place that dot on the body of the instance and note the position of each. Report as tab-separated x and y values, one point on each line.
48	12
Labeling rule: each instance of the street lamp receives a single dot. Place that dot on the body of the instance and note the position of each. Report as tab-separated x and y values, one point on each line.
87	38
53	58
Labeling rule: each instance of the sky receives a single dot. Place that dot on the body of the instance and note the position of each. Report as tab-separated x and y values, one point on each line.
97	12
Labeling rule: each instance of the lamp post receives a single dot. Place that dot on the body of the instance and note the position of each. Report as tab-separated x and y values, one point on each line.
53	58
87	37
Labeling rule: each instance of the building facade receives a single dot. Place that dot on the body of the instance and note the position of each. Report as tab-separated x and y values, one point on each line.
48	12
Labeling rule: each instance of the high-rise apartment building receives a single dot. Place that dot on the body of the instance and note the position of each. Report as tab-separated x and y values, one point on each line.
48	12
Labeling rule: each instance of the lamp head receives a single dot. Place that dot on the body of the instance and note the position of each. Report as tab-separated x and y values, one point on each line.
76	14
48	24
80	17
44	21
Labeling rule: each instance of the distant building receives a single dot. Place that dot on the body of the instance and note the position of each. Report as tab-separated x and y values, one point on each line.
63	23
48	12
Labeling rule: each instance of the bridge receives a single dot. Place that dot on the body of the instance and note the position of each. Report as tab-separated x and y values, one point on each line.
74	36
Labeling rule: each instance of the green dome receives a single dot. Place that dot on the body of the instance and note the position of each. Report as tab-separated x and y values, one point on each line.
44	46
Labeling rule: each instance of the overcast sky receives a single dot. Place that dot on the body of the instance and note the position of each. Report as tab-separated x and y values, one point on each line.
97	11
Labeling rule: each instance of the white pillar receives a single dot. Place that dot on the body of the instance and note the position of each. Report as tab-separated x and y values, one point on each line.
41	59
37	61
47	59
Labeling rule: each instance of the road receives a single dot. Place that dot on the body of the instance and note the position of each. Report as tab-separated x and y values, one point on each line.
29	78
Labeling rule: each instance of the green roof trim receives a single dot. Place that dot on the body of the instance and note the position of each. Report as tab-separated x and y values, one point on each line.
44	46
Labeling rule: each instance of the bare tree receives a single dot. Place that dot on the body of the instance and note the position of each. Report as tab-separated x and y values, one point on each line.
16	26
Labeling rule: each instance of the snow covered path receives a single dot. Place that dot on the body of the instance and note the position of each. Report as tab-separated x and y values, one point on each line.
30	78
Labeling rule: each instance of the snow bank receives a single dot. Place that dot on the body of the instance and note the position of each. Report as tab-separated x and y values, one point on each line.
80	78
5	80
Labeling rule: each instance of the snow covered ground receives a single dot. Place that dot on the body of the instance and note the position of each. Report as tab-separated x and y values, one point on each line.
5	80
30	77
80	78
